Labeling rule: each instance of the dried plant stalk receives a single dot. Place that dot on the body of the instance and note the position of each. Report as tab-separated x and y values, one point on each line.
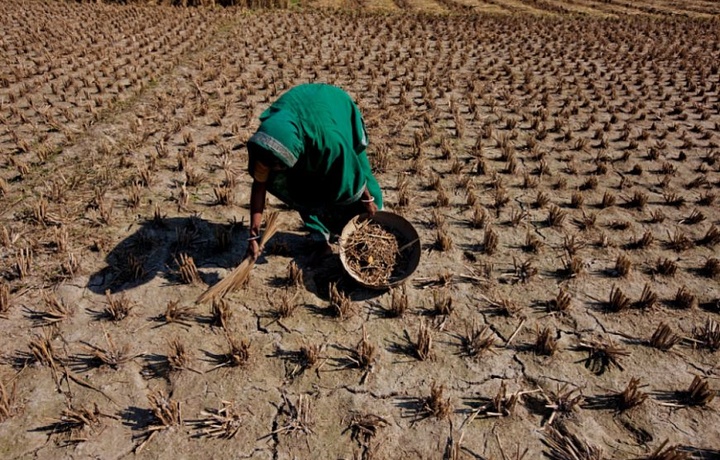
708	336
188	271
175	313
8	402
664	338
545	342
372	253
365	354
220	313
341	305
436	405
238	354
298	416
477	340
564	445
5	302
295	274
399	303
562	403
602	355
699	393
364	427
286	305
632	395
222	423
423	346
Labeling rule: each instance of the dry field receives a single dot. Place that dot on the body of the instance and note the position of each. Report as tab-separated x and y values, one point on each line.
559	159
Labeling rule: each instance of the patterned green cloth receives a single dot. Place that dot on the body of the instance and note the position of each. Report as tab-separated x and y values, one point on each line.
317	132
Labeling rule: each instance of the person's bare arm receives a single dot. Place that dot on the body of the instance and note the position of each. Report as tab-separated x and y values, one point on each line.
368	202
257	206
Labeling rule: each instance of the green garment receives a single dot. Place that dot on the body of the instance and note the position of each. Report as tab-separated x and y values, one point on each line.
316	131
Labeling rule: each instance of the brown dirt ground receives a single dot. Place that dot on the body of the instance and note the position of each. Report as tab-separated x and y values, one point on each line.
123	127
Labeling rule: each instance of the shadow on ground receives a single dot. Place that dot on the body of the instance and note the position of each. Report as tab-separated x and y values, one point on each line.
158	248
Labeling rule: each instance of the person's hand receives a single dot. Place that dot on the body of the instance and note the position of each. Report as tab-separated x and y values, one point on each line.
370	207
253	249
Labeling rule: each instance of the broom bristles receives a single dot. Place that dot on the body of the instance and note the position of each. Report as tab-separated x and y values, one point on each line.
236	279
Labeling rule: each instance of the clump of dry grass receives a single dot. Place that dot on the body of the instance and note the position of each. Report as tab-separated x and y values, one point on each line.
364	427
222	423
237	354
664	338
679	241
541	200
608	200
565	445
669	453
9	405
556	216
178	358
341	306
532	243
436	405
118	307
618	301
365	354
220	313
623	265
647	299
698	393
286	304
422	347
112	356
175	313
490	241
166	412
295	275
297	417
5	300
602	356
502	404
711	237
442	302
56	311
711	268
684	299
708	336
695	217
561	303
443	240
665	267
75	422
189	273
477	340
562	403
632	395
399	303
572	267
479	217
546	342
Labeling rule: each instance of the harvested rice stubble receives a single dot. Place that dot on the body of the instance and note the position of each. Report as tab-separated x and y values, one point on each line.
372	253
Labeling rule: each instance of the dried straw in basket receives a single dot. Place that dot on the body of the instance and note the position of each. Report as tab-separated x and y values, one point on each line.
240	274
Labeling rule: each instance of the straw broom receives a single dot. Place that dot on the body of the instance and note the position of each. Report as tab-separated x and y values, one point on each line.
240	274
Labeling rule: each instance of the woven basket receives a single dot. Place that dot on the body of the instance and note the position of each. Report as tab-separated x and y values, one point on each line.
408	241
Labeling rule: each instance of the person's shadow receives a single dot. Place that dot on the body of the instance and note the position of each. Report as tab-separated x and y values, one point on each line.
160	248
164	248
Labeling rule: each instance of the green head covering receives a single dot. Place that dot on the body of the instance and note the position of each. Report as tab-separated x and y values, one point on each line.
279	134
